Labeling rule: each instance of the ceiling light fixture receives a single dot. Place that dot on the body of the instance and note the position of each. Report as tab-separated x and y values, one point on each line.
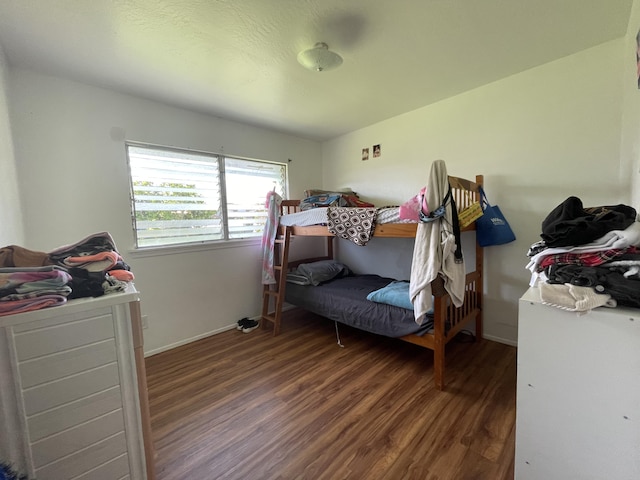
319	58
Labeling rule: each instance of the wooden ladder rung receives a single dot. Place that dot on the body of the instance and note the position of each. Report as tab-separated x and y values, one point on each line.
276	291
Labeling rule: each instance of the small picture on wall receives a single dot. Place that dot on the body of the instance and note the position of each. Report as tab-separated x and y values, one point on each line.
365	154
377	151
638	57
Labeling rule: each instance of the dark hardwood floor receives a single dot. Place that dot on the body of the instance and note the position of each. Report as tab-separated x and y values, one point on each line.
297	406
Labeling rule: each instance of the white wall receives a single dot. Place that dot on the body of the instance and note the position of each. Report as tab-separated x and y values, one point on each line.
11	229
70	155
631	123
11	233
537	137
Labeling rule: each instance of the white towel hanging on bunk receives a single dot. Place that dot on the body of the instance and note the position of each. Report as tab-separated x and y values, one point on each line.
433	251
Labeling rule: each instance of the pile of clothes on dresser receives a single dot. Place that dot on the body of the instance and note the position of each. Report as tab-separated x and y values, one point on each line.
32	280
588	257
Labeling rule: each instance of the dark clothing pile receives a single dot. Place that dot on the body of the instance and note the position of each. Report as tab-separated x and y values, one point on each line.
31	280
572	224
596	249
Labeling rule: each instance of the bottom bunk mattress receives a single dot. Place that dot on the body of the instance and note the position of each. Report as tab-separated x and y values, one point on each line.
345	300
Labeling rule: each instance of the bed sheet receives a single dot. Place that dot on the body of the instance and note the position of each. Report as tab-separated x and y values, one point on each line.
318	216
345	300
314	216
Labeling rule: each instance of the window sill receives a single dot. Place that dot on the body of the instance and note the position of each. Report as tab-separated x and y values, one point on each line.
200	247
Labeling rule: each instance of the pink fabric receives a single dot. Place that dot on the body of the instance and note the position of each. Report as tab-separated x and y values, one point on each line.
20	277
122	275
31	304
272	203
94	263
409	209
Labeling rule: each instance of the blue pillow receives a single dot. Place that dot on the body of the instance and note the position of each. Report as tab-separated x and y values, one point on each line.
396	294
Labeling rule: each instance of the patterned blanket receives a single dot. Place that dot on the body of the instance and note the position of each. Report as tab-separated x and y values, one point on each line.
352	223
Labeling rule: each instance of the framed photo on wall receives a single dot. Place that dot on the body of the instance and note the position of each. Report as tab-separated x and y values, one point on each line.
638	57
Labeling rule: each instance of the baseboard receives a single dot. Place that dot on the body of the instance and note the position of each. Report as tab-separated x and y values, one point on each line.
257	317
188	340
155	351
500	340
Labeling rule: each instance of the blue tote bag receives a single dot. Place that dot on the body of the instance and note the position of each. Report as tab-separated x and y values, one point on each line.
492	227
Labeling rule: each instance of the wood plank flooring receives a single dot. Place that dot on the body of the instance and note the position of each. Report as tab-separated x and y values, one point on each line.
297	406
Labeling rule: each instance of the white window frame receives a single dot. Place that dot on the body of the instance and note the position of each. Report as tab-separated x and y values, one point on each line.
229	227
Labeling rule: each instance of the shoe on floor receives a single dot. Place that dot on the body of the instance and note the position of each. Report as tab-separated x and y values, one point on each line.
242	322
250	326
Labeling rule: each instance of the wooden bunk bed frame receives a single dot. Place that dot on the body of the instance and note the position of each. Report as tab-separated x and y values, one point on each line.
448	319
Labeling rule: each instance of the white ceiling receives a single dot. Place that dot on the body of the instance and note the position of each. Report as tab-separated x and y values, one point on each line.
237	58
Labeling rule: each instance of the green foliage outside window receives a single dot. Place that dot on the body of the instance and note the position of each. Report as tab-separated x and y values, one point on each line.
168	190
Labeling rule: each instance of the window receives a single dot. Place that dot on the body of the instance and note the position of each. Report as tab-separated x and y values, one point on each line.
185	197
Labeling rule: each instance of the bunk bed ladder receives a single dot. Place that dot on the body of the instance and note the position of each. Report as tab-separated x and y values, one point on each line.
274	293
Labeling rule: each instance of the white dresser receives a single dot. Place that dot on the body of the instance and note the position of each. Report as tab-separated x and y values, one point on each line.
578	393
72	396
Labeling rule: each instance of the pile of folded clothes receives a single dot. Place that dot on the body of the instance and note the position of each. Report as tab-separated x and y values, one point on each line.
32	280
315	198
25	289
95	266
588	257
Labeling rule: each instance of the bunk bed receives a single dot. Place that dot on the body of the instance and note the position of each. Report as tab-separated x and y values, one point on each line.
447	319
